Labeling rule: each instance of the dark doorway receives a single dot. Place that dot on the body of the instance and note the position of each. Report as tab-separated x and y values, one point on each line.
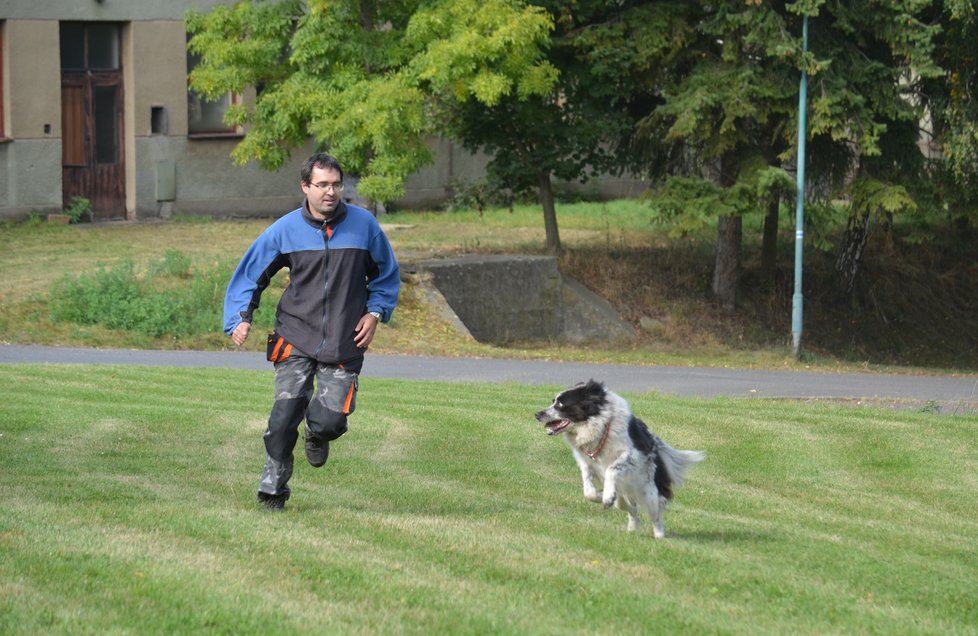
92	116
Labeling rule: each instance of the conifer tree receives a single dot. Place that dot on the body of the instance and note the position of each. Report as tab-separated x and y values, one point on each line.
734	106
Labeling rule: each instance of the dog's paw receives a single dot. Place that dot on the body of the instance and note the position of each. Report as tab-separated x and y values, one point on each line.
609	502
593	496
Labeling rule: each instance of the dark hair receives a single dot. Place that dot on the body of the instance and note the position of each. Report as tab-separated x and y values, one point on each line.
319	160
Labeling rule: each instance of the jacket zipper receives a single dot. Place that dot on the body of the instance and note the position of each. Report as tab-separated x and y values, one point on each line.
325	232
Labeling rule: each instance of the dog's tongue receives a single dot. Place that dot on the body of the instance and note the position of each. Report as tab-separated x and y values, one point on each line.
556	426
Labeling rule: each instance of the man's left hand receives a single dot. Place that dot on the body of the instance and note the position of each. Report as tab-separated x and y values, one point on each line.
365	331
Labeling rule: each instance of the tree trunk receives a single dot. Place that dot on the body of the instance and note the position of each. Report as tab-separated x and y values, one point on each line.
549	213
727	267
769	247
851	252
366	10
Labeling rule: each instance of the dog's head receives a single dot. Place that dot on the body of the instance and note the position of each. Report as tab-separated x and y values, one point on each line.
573	406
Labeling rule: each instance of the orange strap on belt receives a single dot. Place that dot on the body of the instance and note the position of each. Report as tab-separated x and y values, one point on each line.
278	351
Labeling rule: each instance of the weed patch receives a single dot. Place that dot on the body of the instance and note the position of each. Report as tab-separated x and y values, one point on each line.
173	298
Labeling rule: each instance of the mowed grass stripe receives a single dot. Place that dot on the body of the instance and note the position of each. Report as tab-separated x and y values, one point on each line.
128	506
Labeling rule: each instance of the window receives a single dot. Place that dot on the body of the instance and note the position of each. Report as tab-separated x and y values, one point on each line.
89	47
205	117
106	115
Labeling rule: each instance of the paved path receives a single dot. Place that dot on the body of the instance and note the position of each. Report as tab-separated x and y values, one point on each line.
953	394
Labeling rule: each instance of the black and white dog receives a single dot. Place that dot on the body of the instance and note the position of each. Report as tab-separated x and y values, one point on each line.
612	447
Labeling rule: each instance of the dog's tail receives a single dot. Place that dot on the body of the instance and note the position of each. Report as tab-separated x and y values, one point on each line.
677	462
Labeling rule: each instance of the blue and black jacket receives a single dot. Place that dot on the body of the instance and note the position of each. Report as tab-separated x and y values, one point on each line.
338	270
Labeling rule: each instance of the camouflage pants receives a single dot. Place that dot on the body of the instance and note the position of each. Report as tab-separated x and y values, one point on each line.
325	410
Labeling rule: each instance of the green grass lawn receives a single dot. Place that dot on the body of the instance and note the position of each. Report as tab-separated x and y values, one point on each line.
127	506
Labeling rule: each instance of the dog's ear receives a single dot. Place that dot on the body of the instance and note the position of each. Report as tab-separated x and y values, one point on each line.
594	388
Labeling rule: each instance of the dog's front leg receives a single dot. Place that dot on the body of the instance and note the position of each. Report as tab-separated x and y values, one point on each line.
587	477
611	480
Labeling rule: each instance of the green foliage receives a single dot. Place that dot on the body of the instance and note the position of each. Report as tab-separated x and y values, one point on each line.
952	101
483	49
172	299
872	196
359	77
689	205
174	263
733	104
241	45
866	63
824	221
566	90
110	296
79	208
34	218
609	59
469	196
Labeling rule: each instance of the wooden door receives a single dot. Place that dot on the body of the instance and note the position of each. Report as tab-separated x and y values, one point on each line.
92	117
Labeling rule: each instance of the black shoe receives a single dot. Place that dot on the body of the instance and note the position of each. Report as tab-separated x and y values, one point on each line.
271	502
317	451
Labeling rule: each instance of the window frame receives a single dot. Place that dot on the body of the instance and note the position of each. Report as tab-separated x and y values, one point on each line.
233	99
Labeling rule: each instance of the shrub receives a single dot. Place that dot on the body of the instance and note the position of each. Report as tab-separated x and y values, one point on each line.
80	206
175	263
173	299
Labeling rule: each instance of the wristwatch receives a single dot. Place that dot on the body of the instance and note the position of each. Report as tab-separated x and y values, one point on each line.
375	314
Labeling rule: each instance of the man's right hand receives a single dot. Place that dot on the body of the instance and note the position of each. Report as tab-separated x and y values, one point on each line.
240	333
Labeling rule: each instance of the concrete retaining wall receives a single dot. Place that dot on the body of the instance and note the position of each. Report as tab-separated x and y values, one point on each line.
506	299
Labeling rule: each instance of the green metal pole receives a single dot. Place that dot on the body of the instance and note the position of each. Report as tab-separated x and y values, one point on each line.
797	299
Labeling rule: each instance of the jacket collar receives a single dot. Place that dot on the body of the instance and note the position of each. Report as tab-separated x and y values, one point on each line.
316	223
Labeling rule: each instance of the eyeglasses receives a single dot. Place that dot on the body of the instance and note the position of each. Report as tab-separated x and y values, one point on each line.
335	187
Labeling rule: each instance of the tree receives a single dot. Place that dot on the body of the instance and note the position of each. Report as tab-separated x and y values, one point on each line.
606	55
359	76
952	102
735	105
731	107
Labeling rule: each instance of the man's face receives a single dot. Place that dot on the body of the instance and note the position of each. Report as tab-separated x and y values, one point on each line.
323	192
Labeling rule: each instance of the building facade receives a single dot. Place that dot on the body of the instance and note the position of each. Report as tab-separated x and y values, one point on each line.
94	103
